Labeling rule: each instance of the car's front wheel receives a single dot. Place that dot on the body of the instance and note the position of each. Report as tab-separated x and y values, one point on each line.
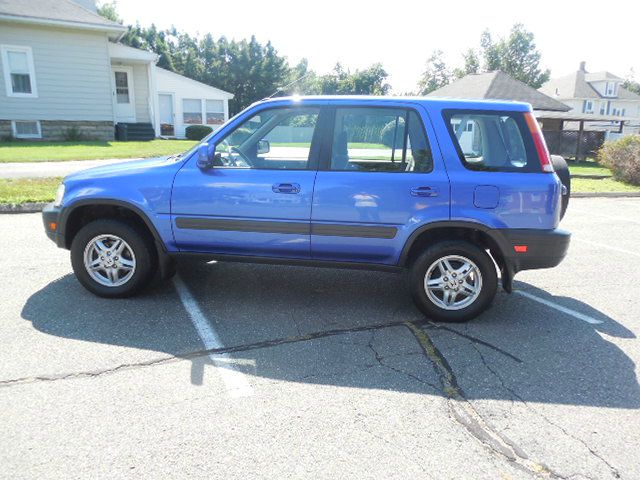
453	281
112	258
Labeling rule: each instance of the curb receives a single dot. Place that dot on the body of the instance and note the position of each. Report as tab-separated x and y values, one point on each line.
29	207
605	195
591	177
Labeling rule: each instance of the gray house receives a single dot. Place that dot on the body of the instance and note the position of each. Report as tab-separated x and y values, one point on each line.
61	68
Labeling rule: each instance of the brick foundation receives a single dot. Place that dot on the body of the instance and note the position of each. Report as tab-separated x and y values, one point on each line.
57	129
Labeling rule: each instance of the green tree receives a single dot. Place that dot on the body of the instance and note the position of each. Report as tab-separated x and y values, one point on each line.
631	84
436	74
471	64
515	55
109	11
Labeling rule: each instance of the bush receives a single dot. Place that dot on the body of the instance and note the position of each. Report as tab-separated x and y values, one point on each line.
389	132
72	134
197	132
623	158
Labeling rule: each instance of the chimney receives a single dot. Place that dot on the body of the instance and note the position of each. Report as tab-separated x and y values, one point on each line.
583	66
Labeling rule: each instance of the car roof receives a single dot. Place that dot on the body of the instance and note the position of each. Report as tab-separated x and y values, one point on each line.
432	102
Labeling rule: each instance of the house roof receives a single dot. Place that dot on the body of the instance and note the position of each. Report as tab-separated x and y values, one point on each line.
576	85
56	12
499	86
182	78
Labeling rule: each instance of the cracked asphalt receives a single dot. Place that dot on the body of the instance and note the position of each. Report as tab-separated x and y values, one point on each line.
347	379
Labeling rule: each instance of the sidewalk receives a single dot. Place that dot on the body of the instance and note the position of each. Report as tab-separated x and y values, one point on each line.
53	169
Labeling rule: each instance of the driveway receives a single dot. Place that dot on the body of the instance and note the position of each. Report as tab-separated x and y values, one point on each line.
256	371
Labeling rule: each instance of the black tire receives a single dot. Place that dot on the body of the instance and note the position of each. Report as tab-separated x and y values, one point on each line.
137	240
562	170
419	268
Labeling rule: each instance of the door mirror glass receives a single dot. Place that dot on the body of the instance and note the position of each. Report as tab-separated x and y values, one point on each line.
204	161
263	147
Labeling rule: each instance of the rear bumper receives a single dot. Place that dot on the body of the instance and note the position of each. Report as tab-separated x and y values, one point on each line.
50	217
544	248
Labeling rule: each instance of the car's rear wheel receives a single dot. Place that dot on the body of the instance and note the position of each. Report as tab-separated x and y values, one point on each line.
453	281
112	258
562	170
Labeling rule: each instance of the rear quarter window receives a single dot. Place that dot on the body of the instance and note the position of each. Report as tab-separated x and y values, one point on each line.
492	140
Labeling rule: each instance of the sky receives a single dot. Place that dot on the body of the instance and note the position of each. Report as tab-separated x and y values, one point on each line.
401	34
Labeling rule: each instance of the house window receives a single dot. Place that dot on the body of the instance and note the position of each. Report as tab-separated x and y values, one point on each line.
192	111
215	112
611	89
26	129
19	74
122	87
588	106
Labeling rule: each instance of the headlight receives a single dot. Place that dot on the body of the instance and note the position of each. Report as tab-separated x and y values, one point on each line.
59	196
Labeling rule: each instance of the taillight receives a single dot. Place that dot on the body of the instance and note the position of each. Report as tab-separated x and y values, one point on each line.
538	140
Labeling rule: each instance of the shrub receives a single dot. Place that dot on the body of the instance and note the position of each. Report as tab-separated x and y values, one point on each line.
622	156
72	134
389	132
197	132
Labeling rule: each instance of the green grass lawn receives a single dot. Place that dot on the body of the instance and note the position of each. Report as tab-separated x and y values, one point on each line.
587	167
17	151
369	146
22	190
604	185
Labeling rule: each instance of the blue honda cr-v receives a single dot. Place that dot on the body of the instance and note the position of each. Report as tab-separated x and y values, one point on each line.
449	191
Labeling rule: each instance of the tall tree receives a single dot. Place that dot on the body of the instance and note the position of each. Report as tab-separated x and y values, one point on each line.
436	74
515	55
471	64
109	11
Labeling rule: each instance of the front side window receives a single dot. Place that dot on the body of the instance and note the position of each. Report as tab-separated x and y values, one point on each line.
274	139
379	140
17	63
192	111
497	141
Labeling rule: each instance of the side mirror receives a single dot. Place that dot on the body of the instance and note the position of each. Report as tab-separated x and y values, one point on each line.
204	162
263	147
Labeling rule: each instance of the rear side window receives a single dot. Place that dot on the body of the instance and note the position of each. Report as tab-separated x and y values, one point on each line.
492	141
380	140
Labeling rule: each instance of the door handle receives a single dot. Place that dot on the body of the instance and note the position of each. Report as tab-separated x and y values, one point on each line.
286	188
424	192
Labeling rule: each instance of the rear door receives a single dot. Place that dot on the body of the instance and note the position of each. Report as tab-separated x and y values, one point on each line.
257	199
379	178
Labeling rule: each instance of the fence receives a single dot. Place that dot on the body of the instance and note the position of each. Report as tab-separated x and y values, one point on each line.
565	142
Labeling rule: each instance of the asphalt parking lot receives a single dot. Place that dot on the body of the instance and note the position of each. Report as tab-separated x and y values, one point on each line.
252	371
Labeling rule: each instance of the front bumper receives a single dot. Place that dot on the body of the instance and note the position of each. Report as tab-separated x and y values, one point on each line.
51	217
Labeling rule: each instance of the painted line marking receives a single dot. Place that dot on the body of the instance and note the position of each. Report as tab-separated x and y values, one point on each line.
560	308
235	381
609	247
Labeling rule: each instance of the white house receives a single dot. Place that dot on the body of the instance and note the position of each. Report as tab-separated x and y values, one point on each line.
598	94
63	69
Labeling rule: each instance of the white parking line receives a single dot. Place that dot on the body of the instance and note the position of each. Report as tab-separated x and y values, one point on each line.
235	381
609	247
560	308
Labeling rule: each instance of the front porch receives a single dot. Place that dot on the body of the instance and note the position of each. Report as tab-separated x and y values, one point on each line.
133	87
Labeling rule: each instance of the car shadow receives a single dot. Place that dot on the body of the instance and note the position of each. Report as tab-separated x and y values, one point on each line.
354	321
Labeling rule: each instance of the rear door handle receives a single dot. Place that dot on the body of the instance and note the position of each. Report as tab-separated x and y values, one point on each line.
424	192
286	188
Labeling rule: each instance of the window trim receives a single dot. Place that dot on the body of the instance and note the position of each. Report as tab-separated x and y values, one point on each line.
14	130
327	137
4	51
448	113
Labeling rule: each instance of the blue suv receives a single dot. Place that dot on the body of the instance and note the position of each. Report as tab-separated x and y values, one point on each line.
449	191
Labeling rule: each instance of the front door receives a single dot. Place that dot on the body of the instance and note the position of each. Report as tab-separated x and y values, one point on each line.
257	199
123	93
378	182
165	102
